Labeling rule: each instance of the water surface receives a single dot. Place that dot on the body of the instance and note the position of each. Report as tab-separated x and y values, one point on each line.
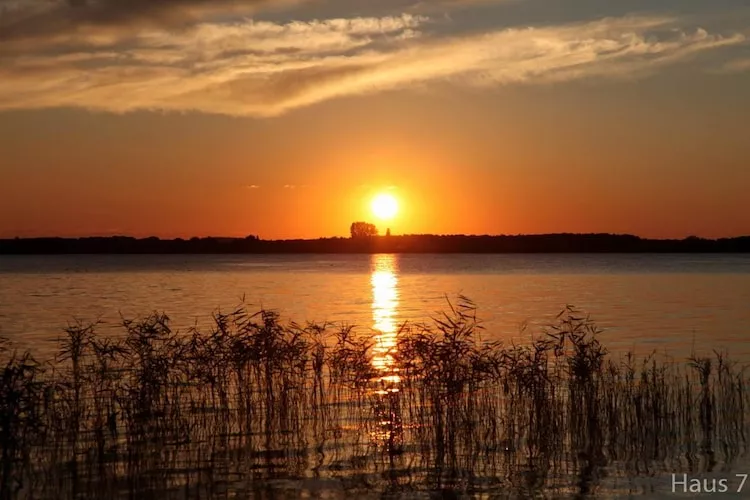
641	301
668	303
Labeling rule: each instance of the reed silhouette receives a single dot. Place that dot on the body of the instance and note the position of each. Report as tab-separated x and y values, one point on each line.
254	406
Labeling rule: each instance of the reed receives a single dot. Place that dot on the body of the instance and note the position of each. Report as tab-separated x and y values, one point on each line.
233	408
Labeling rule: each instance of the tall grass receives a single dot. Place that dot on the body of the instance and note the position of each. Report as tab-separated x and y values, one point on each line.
253	400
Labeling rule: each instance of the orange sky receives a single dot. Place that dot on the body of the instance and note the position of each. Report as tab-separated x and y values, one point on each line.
512	133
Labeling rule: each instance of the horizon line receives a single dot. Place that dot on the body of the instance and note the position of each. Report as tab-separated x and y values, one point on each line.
443	235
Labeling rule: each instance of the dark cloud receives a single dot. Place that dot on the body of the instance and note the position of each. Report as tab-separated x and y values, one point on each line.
37	18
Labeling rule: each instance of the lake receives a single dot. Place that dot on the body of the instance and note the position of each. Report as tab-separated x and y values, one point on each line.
642	302
252	409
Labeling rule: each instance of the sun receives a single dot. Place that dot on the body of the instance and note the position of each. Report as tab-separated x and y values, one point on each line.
384	206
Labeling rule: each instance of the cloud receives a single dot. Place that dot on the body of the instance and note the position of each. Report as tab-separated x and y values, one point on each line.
736	66
24	19
442	5
252	186
252	68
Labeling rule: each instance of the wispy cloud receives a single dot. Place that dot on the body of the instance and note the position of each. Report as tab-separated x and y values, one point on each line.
736	66
252	186
264	68
33	19
442	5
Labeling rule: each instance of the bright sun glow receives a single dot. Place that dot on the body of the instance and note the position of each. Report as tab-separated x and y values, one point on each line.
384	206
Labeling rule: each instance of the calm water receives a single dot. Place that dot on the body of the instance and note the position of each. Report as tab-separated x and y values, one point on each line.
672	303
642	302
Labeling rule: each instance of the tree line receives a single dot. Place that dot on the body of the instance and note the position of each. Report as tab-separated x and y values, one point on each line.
365	239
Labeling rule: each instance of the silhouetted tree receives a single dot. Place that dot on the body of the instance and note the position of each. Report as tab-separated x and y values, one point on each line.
388	232
363	230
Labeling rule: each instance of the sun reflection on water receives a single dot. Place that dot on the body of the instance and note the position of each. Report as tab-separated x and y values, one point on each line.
384	306
384	280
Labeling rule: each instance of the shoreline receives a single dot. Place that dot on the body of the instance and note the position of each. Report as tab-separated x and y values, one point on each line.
399	244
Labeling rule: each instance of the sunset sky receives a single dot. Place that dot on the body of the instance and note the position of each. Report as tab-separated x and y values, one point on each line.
285	118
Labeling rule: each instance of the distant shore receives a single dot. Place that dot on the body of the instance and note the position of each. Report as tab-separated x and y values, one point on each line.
542	243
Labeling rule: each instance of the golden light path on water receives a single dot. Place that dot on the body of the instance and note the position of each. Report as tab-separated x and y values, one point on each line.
385	295
384	306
